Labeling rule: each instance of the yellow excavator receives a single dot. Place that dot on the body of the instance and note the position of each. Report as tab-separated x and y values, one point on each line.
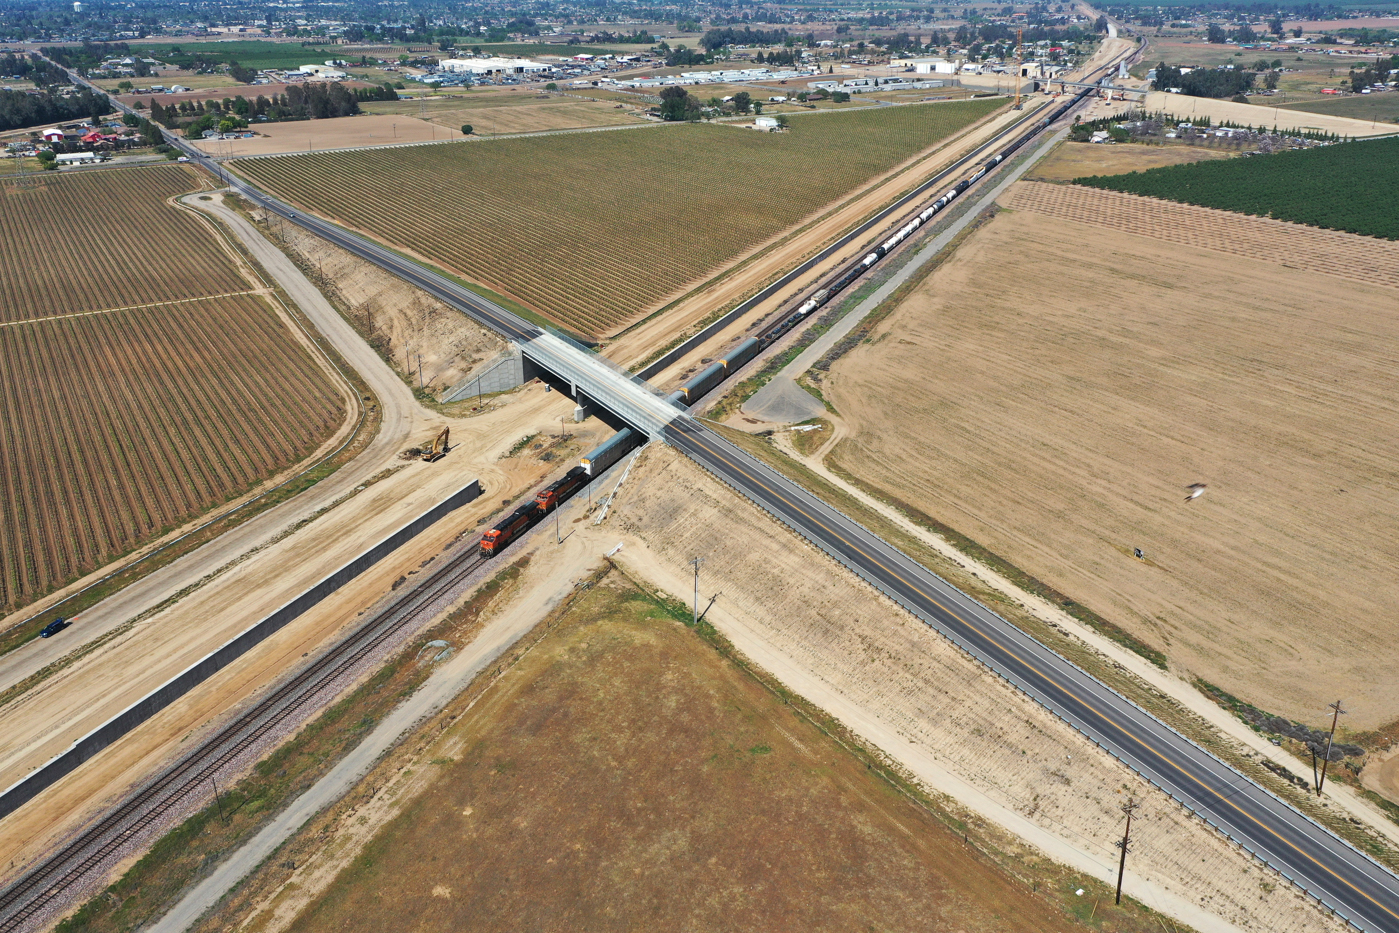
438	448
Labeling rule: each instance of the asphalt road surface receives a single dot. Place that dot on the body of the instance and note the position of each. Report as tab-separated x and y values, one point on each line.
1327	867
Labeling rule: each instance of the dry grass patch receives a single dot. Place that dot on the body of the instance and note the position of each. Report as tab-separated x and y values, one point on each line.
1074	160
625	775
1064	407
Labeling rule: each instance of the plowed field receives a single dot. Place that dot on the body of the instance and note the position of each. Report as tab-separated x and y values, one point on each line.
1056	411
592	229
106	239
144	380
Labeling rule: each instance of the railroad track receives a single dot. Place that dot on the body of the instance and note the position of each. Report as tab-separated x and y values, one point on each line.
38	889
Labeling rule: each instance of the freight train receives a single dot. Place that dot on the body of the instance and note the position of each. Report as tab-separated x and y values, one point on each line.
594	464
713	375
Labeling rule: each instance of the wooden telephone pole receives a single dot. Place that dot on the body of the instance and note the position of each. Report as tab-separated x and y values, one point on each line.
1019	61
1128	808
1326	760
695	612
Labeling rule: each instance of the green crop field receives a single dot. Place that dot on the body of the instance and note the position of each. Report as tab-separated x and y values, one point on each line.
1382	107
592	229
250	53
1348	186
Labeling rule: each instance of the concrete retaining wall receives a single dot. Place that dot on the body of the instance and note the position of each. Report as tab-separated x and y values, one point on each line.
146	707
505	372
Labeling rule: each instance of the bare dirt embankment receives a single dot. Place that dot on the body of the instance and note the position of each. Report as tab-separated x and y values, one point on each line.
406	325
1055	411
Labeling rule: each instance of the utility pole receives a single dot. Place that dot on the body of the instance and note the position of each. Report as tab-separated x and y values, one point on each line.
1335	717
420	371
1127	808
1019	61
696	563
222	818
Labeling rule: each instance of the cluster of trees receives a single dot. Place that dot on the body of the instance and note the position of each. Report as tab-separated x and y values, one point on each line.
1342	187
19	109
1378	73
42	73
87	56
780	57
716	39
313	102
1204	82
683	55
635	37
678	104
1245	33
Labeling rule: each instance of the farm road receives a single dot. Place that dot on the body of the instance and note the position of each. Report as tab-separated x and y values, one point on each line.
401	415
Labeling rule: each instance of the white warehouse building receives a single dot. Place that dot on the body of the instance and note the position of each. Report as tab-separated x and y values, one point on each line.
490	66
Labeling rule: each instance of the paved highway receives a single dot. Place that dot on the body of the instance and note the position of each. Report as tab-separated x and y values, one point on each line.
1349	882
1327	867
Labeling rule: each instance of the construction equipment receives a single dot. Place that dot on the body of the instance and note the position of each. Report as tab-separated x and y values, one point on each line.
438	448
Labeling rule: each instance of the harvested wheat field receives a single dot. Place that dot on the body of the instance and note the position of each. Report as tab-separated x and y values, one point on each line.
593	229
1074	160
491	111
1056	410
146	376
625	776
331	133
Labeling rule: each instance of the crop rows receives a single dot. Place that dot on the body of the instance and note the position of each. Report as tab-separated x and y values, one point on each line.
107	239
117	426
1327	252
1348	186
592	229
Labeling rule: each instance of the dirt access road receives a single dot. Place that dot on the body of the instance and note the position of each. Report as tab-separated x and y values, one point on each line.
402	416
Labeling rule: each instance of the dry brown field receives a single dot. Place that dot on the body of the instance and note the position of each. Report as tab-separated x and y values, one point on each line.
497	114
1053	405
593	230
333	133
1076	160
146	378
1261	115
625	776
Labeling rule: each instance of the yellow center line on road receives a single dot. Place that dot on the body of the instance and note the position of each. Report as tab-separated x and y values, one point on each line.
1010	651
153	304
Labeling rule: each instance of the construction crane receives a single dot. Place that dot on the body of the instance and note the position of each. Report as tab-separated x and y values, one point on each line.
1019	63
438	448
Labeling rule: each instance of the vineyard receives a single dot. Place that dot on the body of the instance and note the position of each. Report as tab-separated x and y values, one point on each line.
143	381
86	241
1348	186
592	229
